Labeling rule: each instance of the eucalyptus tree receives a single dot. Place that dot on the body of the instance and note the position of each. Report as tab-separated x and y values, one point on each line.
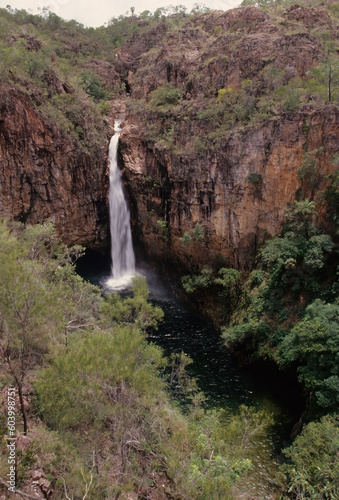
38	295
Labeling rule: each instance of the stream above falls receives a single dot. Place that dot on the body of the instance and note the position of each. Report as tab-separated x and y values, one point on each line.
224	384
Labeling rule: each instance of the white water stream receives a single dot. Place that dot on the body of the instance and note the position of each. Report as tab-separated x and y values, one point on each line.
122	254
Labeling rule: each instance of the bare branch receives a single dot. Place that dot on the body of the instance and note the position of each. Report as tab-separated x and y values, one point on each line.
65	488
88	485
75	327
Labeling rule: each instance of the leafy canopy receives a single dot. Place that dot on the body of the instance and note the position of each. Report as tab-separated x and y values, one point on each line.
313	470
314	344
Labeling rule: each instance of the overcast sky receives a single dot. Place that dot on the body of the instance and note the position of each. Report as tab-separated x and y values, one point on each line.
98	12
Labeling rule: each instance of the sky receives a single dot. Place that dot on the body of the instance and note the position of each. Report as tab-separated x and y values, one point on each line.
98	12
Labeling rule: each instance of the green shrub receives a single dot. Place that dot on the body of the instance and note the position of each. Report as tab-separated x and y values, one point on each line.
166	95
309	172
292	102
313	468
196	234
197	282
199	146
104	108
314	344
234	334
334	8
93	86
254	178
222	93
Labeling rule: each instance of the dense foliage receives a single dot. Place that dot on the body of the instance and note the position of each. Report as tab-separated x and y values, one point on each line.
287	310
313	471
92	392
290	313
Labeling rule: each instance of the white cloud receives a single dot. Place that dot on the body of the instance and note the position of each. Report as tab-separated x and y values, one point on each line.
98	12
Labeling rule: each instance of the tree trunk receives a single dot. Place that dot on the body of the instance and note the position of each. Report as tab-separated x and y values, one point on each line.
22	406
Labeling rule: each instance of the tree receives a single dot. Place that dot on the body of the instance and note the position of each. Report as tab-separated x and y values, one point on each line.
25	298
313	344
332	71
300	252
134	311
313	468
107	384
76	388
331	195
93	86
38	290
165	96
327	74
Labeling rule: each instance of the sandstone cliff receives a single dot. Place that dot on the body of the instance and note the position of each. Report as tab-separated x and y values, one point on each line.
46	175
55	125
214	189
224	152
239	185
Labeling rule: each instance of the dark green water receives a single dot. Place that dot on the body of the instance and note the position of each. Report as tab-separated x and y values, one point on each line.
224	384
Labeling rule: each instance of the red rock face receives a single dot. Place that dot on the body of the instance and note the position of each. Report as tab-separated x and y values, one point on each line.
309	17
221	49
43	176
214	189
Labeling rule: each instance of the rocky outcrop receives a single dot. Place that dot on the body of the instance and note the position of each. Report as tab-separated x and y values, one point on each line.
220	49
238	193
46	175
309	17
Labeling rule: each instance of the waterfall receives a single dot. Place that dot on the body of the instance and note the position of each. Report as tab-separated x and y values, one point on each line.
123	260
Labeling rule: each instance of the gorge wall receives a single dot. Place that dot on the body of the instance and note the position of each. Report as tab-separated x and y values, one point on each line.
214	188
226	159
207	138
46	175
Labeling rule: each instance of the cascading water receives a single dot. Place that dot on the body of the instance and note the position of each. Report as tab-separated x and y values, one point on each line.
122	254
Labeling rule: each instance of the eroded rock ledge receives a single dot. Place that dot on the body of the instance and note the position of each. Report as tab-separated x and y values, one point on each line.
215	188
45	175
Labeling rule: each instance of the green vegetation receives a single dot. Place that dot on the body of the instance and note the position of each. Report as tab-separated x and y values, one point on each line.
51	61
103	421
196	234
289	313
286	310
93	393
165	96
254	178
223	286
93	86
313	343
331	197
313	468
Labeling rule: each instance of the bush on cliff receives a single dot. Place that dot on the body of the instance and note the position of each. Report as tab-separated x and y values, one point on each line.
296	270
165	96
